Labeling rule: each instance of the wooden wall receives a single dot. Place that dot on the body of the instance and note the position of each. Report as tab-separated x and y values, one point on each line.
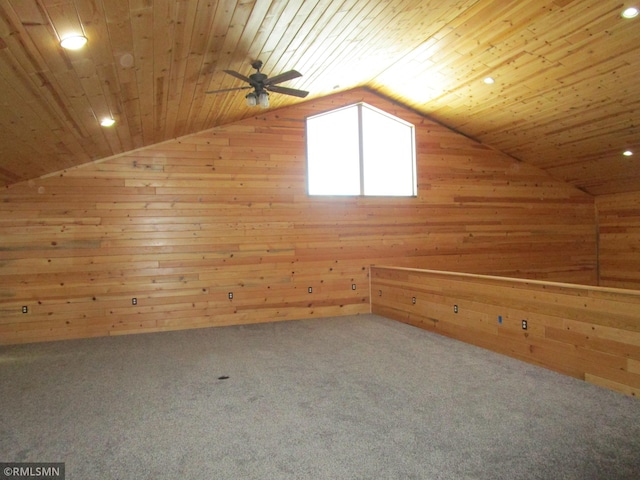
619	240
592	333
180	225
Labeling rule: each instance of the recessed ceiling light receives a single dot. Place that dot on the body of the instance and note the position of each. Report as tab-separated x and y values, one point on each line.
107	122
630	12
489	81
73	42
627	153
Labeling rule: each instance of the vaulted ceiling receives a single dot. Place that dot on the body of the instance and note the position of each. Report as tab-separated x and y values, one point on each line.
566	95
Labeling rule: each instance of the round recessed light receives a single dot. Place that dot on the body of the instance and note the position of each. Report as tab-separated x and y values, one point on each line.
489	81
73	42
627	153
107	122
630	12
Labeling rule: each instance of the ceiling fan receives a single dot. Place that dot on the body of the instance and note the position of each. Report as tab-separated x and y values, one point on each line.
262	85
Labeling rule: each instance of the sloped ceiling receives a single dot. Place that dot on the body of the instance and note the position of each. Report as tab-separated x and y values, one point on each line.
565	98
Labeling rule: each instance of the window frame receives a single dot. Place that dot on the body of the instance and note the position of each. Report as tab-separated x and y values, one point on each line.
361	149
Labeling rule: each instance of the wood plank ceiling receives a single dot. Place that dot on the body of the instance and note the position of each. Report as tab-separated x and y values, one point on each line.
565	98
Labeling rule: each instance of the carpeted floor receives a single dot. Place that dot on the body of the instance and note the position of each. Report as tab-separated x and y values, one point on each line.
358	397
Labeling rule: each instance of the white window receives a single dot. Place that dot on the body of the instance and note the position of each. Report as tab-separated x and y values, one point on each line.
360	150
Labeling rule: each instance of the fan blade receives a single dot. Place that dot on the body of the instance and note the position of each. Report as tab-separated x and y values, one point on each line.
283	77
287	91
229	89
238	75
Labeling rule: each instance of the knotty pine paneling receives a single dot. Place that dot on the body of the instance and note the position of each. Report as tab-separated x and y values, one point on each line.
180	225
564	97
592	333
619	240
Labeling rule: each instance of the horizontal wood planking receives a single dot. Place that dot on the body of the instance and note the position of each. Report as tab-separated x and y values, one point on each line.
619	240
564	97
592	333
180	225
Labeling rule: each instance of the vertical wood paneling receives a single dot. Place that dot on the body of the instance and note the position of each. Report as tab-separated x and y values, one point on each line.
619	240
592	333
180	225
564	97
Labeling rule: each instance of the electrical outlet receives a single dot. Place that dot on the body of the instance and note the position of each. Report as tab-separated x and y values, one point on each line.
455	309
379	293
230	295
413	300
25	309
353	286
524	324
310	289
134	301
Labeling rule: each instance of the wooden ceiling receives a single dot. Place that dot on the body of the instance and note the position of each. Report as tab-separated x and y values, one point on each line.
566	95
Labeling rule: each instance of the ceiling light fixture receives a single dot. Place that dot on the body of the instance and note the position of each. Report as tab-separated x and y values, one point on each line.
630	12
73	42
107	122
263	99
252	100
627	153
489	81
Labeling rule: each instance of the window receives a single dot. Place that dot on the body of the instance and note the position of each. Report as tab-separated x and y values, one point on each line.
360	150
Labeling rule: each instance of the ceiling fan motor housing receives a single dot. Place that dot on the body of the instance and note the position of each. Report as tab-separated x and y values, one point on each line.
257	80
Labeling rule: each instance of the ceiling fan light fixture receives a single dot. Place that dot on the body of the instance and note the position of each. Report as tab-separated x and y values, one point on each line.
630	12
263	99
107	122
252	100
73	42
